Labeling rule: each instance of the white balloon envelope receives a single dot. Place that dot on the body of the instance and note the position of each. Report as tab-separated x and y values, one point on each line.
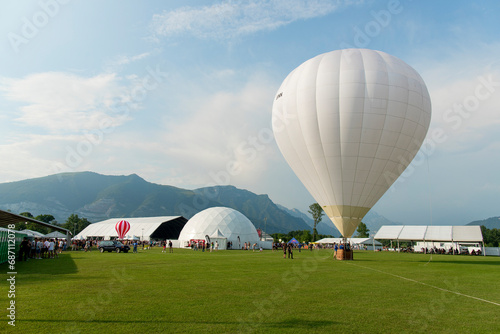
348	123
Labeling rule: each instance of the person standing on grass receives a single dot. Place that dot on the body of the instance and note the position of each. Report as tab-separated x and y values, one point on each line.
45	248
56	248
284	249
24	249
39	245
290	251
33	249
51	249
170	248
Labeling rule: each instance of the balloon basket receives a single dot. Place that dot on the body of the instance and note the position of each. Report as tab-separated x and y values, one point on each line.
344	255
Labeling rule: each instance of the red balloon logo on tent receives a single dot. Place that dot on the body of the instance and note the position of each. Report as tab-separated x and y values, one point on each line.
122	228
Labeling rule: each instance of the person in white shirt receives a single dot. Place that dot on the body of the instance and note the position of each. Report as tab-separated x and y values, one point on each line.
39	245
45	249
51	249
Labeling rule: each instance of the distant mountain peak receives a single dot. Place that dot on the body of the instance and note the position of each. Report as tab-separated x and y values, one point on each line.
489	223
99	197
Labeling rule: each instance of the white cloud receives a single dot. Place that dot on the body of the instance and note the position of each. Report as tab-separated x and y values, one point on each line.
118	62
123	60
60	102
231	19
465	99
227	133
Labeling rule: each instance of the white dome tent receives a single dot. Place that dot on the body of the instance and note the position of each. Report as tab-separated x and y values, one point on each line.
221	224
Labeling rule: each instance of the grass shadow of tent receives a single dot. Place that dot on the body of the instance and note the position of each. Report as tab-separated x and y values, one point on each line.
61	266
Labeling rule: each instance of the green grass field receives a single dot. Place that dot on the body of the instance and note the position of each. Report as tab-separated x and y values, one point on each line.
252	292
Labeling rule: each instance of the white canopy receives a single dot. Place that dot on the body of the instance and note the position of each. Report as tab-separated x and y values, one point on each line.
217	234
55	234
354	241
34	233
469	233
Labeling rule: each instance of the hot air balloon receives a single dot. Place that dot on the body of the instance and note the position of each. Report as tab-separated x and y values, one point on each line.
349	122
122	228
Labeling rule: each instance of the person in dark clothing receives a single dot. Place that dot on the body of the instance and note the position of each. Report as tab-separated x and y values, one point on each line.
284	250
24	249
290	251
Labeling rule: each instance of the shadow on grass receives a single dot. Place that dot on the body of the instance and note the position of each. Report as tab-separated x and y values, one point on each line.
292	323
60	266
471	261
295	323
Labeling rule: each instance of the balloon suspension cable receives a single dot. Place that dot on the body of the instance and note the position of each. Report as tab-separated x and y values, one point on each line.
430	200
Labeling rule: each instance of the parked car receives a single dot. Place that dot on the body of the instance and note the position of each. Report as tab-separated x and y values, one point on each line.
113	246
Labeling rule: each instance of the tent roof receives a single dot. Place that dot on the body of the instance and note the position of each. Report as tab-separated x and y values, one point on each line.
7	218
149	227
34	233
416	232
55	234
469	233
233	225
217	234
293	241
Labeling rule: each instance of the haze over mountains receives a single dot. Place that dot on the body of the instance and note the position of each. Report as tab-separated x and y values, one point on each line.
99	197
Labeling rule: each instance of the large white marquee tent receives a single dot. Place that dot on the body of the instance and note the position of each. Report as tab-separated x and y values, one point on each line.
161	228
447	234
470	233
223	225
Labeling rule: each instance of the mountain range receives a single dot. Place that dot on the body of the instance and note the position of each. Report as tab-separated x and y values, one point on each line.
99	197
489	223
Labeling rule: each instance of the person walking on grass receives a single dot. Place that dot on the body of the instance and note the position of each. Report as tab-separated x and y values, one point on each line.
290	251
56	249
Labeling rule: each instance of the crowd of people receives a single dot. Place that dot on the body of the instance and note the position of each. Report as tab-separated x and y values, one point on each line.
451	251
435	250
41	248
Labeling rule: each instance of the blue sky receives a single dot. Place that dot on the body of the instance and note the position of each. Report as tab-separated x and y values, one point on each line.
180	92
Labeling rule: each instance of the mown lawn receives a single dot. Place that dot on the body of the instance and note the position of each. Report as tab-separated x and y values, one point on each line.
253	292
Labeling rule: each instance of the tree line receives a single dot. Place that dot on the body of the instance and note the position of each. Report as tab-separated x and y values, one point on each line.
73	223
491	237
